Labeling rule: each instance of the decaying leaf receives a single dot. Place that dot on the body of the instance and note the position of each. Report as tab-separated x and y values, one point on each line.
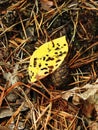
46	4
47	58
91	90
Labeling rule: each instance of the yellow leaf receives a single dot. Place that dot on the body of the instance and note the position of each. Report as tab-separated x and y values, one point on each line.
47	58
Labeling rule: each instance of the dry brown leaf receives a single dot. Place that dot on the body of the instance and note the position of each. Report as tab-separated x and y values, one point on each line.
12	77
3	128
46	4
94	126
91	90
88	109
5	112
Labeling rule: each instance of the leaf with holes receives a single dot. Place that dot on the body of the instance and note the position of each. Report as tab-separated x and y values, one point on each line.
47	58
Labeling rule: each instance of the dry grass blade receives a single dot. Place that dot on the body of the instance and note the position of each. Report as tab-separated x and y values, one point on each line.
15	114
17	5
2	95
11	27
40	117
84	61
76	62
38	25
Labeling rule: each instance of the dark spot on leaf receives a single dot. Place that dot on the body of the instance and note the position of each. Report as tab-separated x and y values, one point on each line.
32	73
44	58
49	49
58	44
51	67
60	54
40	65
53	45
56	65
46	72
35	62
64	52
50	58
44	68
56	53
46	64
64	44
47	55
57	48
58	60
50	70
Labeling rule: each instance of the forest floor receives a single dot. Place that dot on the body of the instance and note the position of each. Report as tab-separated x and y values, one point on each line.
66	99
